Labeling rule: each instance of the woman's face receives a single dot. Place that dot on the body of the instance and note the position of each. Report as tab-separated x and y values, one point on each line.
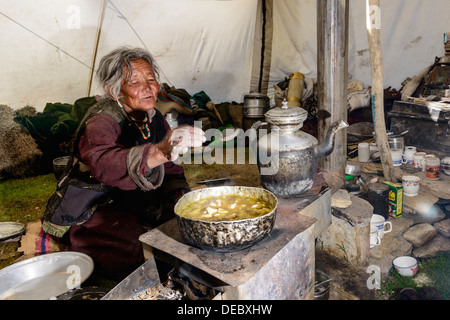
140	91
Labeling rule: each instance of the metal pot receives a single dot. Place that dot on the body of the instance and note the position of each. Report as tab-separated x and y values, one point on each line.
294	154
255	105
226	236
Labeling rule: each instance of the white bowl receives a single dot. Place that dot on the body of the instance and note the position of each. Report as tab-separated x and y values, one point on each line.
405	266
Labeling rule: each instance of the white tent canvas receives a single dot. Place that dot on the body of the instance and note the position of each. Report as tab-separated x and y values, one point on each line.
201	45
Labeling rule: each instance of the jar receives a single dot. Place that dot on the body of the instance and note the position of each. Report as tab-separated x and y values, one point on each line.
363	152
171	120
432	167
378	196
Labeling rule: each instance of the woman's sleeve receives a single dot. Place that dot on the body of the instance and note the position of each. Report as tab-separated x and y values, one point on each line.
110	162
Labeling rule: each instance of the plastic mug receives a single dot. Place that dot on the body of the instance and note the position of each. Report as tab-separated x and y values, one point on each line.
374	238
408	155
411	185
418	159
425	159
397	157
380	222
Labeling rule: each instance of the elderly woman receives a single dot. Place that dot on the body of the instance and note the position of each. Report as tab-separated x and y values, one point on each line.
121	178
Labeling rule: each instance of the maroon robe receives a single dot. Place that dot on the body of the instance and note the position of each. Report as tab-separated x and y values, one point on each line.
143	198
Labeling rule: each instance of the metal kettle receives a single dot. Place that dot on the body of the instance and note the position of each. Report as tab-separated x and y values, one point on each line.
294	154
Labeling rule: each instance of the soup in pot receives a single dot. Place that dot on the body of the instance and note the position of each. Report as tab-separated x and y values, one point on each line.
228	207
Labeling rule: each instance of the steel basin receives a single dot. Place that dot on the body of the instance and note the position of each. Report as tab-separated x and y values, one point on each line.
45	276
226	236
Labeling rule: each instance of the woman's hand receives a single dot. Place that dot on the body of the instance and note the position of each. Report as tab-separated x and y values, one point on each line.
184	137
176	142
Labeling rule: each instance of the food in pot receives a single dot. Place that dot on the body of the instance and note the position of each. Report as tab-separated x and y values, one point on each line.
228	207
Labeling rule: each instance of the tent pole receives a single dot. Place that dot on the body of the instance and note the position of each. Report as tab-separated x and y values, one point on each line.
99	28
373	24
332	77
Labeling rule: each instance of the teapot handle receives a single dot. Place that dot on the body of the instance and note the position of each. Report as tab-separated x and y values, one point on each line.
258	124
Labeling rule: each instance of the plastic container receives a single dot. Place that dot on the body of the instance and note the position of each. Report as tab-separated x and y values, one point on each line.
171	120
432	167
396	142
363	152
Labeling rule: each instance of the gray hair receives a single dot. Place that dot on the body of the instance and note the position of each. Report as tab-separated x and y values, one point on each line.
110	70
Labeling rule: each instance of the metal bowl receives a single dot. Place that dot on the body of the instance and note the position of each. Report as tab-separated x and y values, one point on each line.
353	169
226	236
44	276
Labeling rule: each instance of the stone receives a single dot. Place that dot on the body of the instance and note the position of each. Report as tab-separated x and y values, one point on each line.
384	263
404	247
432	248
422	203
419	234
347	237
397	246
341	199
357	214
443	227
388	244
400	225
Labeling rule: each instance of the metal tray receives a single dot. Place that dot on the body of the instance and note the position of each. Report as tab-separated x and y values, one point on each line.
10	230
44	277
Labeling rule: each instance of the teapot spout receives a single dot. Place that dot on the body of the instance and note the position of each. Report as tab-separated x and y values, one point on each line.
327	146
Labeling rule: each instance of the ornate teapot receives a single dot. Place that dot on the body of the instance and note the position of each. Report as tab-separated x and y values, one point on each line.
294	155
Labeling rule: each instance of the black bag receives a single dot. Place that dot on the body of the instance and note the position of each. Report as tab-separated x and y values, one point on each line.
76	197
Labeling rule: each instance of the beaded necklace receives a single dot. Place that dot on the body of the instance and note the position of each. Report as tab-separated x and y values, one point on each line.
142	125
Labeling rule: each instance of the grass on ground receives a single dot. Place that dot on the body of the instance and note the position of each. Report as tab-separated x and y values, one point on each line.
432	272
24	200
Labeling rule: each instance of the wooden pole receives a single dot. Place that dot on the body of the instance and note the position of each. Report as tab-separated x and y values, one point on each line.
332	77
97	39
373	21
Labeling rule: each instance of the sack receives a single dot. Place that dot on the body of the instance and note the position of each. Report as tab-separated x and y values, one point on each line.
76	197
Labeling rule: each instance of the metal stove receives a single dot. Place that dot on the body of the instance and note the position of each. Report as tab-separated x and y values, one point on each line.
280	267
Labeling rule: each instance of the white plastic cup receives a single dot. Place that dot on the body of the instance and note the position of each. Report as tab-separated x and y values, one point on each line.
397	157
418	159
411	185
